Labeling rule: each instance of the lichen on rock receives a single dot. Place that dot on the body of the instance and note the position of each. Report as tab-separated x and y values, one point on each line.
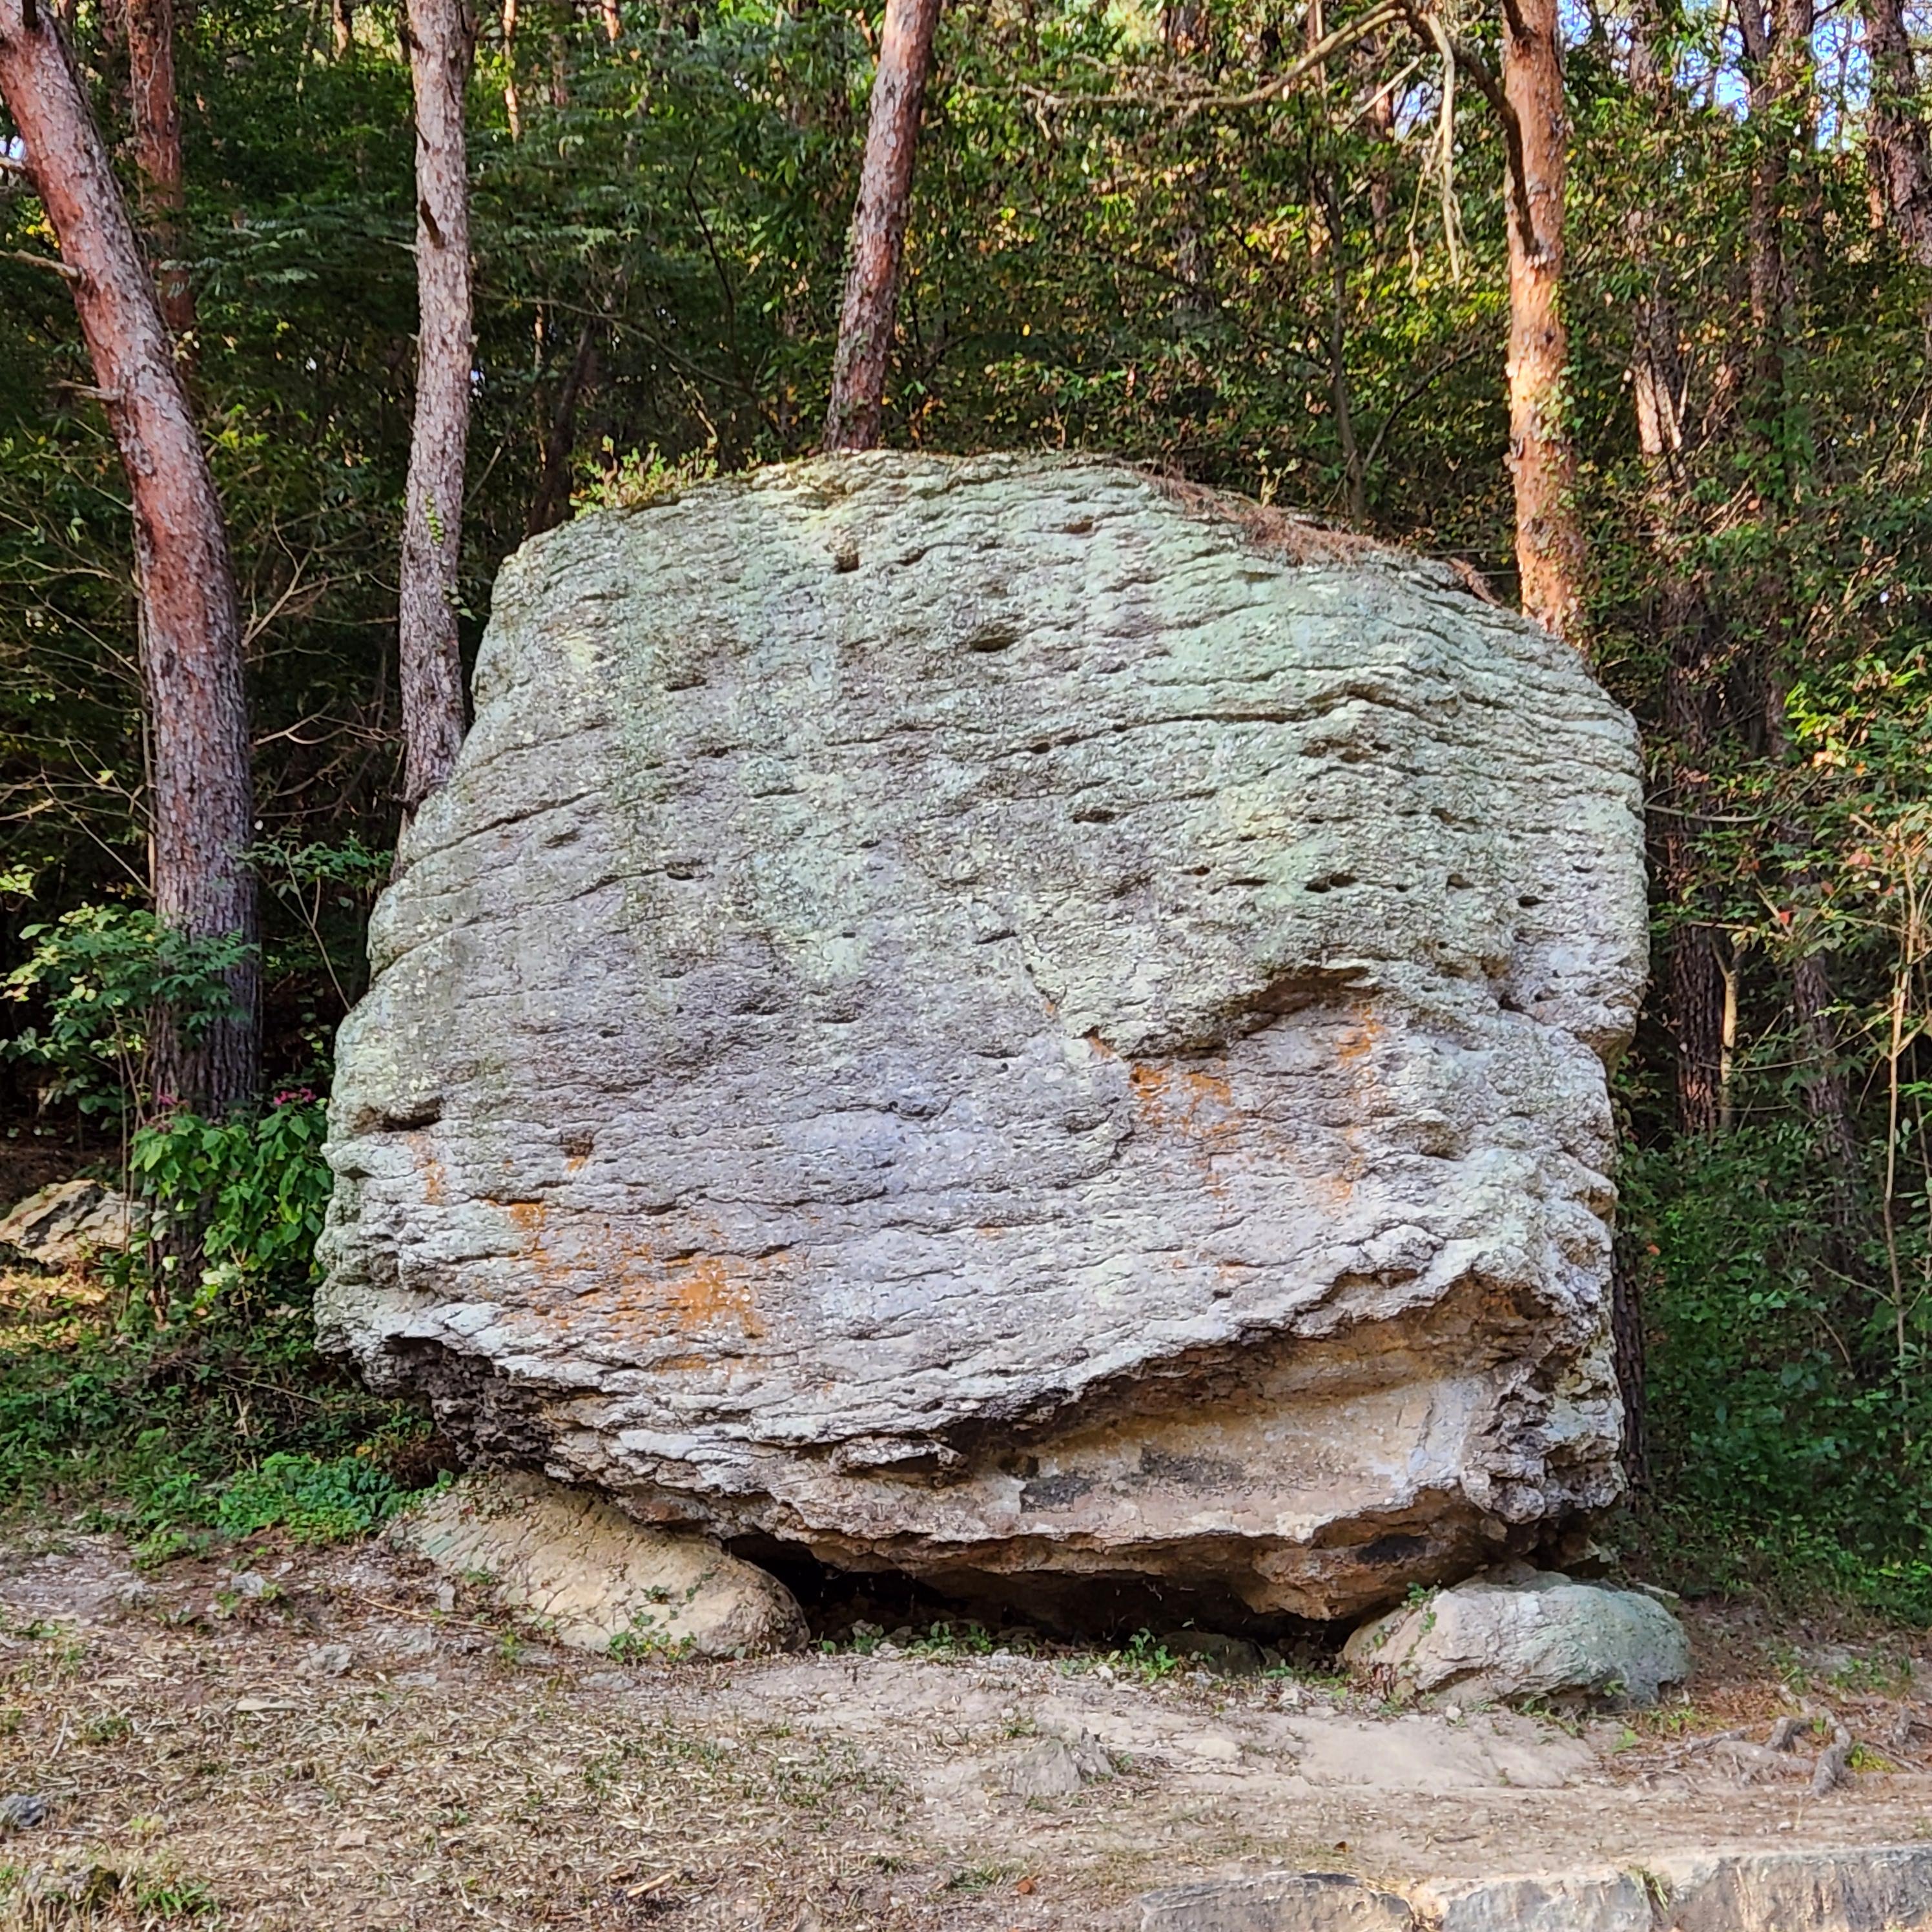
969	1016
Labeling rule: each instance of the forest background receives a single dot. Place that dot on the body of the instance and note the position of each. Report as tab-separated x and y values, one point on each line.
1159	232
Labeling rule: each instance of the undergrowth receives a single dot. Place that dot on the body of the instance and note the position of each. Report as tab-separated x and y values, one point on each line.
174	1394
1790	1424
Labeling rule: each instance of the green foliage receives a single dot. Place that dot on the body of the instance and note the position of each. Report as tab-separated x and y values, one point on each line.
633	482
101	973
312	1500
199	1408
1782	1448
246	1196
644	1643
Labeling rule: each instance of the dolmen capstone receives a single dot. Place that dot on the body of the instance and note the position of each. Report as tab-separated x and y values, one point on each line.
1006	1021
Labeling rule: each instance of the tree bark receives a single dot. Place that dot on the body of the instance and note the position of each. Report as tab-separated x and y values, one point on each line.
342	21
865	322
157	149
190	632
442	44
1896	163
1353	486
553	497
1542	461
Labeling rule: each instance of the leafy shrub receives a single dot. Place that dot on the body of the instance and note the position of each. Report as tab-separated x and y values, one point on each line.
247	1195
100	973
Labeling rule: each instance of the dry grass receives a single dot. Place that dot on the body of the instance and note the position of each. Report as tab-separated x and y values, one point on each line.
200	1772
346	1750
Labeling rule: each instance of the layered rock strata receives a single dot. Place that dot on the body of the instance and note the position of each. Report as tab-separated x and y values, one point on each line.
987	1018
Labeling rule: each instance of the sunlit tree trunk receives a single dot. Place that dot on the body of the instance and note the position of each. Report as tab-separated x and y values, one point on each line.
1542	461
442	45
158	148
1896	163
513	100
190	631
342	21
856	415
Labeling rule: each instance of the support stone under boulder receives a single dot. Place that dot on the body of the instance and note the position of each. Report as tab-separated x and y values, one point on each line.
979	1018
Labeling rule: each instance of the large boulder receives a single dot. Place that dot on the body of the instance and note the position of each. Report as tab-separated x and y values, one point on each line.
991	1018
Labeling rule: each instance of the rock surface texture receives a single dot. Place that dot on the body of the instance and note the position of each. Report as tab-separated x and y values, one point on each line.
1528	1635
64	1225
594	1579
980	1017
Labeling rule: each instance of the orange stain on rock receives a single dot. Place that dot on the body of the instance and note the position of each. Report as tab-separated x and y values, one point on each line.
1363	1038
585	1274
435	1183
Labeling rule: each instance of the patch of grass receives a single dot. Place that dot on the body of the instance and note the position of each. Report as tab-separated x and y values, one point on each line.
948	1640
179	1433
981	1877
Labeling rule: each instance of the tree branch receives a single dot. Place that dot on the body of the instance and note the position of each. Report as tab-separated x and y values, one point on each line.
53	266
1384	15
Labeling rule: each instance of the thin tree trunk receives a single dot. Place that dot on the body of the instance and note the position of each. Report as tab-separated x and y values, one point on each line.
513	102
190	632
1381	128
1354	492
342	18
865	322
1896	163
613	20
1778	67
1627	1354
1696	974
1542	461
157	149
552	496
442	44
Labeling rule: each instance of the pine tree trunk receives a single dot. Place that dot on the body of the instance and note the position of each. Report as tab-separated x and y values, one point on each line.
442	44
190	633
1543	464
1896	163
856	415
157	149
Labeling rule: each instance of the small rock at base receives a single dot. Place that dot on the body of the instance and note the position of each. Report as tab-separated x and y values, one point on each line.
599	1580
22	1810
329	1659
1057	1767
1526	1633
62	1225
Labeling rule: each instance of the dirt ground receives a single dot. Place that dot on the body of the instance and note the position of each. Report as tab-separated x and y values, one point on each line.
330	1740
